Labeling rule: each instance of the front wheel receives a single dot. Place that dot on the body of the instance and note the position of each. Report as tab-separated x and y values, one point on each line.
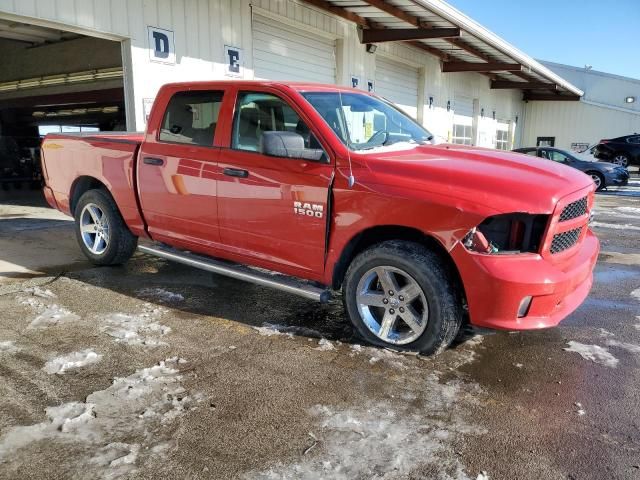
598	180
100	230
401	295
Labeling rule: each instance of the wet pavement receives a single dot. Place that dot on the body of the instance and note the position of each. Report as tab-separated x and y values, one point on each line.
157	370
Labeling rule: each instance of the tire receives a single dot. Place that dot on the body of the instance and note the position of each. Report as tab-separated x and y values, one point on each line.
116	243
409	265
621	159
598	180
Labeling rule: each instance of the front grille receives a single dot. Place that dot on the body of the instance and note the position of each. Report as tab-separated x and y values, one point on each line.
574	210
565	240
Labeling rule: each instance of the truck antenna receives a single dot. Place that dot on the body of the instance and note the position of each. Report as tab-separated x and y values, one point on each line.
352	179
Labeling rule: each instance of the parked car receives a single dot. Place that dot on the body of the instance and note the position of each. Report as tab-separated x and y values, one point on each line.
623	151
338	190
603	174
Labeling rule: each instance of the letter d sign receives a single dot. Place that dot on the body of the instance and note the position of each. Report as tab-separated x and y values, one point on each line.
161	46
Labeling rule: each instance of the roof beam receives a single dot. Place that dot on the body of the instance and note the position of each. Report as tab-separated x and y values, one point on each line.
397	12
378	35
506	84
341	12
433	51
449	67
549	97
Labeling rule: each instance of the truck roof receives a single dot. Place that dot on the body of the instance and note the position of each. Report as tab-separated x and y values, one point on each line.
299	86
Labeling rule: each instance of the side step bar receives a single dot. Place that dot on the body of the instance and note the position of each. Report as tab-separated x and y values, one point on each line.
241	272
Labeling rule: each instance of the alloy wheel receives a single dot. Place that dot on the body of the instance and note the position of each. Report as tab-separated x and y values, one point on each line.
621	160
94	227
596	179
392	305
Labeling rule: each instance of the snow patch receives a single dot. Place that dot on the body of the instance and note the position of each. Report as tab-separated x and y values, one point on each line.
138	406
9	347
60	365
272	329
605	333
614	226
482	476
629	209
636	294
630	347
48	314
383	440
139	330
160	294
325	345
40	292
595	353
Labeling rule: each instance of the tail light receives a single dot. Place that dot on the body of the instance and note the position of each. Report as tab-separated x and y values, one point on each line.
603	141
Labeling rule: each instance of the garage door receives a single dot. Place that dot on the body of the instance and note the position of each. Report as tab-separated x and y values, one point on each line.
463	121
398	83
281	52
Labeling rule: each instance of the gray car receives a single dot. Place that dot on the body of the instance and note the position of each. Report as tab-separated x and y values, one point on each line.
603	174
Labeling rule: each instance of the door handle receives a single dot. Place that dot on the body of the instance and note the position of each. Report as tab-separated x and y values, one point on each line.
236	172
153	161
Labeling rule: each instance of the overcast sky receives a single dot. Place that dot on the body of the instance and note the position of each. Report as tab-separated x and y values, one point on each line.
605	35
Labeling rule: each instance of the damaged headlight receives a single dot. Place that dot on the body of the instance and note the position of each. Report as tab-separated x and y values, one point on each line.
507	234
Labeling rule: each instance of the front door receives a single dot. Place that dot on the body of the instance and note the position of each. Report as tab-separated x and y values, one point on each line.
177	172
273	209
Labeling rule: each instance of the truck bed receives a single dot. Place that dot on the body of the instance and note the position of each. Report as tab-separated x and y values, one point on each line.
108	158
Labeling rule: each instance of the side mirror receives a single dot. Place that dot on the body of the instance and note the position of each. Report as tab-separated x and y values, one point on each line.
288	145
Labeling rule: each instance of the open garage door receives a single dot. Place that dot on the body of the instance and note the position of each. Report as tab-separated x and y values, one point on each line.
398	83
282	52
52	81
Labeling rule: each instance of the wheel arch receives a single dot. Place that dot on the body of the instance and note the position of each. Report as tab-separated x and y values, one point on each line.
374	235
82	185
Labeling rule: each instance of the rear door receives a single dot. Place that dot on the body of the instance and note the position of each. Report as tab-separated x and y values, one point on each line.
273	210
177	170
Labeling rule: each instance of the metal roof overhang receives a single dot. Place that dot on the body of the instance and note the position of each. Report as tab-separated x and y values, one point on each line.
462	44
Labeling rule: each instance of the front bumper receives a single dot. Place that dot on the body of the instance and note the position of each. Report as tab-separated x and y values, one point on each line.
616	179
495	285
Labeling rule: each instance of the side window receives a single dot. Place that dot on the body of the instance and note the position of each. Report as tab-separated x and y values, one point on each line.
556	156
533	153
257	113
635	140
191	118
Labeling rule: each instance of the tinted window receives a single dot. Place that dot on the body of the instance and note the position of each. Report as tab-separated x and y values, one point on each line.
191	118
633	140
257	113
555	156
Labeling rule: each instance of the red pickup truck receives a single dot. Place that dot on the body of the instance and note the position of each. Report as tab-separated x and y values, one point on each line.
331	189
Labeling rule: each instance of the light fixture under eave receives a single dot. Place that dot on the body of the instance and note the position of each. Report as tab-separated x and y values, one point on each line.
630	100
371	47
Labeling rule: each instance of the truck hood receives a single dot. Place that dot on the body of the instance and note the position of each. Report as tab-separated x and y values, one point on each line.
501	181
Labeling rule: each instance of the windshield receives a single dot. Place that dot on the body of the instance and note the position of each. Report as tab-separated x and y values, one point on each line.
363	122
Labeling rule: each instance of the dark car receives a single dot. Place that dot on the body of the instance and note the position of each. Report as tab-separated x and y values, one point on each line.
603	174
623	151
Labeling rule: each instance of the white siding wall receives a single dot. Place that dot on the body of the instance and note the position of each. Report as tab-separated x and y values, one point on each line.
203	27
576	122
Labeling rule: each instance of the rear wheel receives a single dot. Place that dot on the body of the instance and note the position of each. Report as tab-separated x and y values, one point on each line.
598	180
621	159
401	295
100	230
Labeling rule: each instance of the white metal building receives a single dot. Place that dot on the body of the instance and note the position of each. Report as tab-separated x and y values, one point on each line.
609	108
464	83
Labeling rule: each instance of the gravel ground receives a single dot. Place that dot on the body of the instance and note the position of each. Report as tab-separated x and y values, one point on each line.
157	370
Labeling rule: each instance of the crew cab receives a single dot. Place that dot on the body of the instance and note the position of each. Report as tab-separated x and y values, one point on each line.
334	189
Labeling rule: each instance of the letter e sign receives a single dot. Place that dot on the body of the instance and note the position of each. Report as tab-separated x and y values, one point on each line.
234	63
161	46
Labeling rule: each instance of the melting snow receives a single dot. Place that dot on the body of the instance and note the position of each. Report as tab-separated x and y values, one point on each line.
8	346
382	440
48	314
482	476
271	329
630	347
605	333
160	294
140	329
137	406
614	226
325	345
71	361
636	294
594	353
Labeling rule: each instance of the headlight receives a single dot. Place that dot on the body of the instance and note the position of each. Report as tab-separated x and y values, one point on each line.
507	234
